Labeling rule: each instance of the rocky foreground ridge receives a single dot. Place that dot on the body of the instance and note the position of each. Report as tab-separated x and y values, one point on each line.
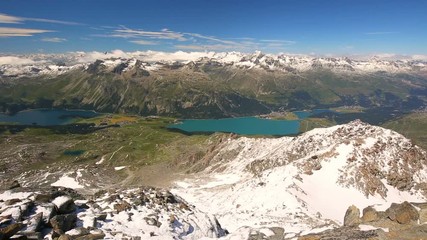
148	213
62	213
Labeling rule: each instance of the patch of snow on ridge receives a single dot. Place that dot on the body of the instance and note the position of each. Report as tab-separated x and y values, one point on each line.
7	195
314	177
119	168
66	181
101	160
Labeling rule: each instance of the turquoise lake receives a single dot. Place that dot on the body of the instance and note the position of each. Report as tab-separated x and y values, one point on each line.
246	125
46	117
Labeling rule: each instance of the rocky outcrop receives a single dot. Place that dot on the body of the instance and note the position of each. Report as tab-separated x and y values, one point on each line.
401	221
402	213
352	216
370	215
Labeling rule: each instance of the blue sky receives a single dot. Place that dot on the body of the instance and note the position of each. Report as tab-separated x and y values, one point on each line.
294	26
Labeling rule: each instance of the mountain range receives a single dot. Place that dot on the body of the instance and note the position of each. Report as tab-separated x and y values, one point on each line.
207	84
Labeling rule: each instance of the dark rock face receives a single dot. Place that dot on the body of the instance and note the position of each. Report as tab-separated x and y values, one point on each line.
402	213
64	222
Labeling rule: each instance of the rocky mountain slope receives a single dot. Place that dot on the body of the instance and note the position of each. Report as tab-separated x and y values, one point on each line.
206	84
306	183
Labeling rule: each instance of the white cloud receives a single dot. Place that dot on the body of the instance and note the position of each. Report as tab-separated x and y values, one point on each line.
20	32
93	56
54	40
154	56
144	42
148	56
11	60
4	18
419	57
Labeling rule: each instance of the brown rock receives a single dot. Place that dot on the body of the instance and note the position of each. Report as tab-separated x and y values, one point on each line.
10	230
352	216
344	233
43	198
402	213
80	231
370	215
122	206
12	201
28	235
309	237
422	212
14	184
64	237
92	236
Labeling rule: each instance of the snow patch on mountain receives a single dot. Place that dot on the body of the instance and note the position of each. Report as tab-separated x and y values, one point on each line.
67	181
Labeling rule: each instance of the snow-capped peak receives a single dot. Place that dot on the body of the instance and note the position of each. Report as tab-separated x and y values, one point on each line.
37	64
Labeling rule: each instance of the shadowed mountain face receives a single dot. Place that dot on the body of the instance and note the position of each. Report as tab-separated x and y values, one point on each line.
210	88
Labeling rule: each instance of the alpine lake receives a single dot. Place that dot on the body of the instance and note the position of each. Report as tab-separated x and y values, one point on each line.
239	125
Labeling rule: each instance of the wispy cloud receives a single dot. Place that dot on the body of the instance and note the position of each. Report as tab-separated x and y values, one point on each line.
380	33
124	32
4	18
208	47
193	41
214	39
283	42
20	32
54	40
10	19
144	42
